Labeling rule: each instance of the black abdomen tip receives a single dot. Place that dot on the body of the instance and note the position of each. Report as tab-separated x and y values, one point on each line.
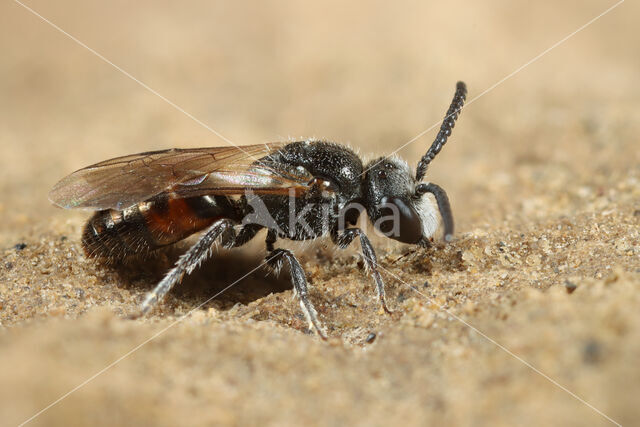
108	235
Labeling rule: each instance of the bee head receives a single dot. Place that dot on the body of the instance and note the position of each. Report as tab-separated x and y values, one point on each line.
396	201
393	206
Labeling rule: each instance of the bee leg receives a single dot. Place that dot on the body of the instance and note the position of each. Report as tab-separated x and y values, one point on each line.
276	258
245	234
345	238
222	229
270	240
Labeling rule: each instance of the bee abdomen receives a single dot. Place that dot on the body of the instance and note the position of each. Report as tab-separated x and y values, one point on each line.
150	225
117	234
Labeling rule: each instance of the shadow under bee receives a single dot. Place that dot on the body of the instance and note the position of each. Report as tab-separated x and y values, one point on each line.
224	269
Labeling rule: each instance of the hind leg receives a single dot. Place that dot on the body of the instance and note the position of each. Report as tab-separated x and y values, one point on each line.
222	229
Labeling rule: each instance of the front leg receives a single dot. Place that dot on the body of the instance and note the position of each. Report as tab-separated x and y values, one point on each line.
345	238
276	258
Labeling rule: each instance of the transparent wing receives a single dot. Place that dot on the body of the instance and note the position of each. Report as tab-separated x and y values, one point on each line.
124	181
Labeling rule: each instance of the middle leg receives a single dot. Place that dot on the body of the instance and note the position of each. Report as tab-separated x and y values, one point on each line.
276	258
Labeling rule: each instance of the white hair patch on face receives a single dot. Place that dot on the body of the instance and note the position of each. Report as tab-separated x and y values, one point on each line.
426	208
429	215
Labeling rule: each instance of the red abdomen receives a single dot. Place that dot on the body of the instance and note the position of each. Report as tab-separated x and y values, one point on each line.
149	225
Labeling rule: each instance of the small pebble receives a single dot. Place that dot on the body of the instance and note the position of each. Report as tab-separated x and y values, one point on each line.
370	338
592	352
570	286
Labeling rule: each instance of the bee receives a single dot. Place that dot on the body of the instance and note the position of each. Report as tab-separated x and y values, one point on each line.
299	190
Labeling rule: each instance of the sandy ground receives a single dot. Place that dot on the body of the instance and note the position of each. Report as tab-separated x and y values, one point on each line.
530	316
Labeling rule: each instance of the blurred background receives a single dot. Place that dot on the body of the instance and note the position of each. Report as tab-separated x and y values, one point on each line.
543	173
371	74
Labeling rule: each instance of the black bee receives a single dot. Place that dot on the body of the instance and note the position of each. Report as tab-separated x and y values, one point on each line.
296	190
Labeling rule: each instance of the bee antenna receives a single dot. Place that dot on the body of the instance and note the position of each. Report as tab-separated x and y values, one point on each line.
448	123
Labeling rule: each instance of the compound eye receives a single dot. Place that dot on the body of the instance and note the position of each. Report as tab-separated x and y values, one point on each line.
401	221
